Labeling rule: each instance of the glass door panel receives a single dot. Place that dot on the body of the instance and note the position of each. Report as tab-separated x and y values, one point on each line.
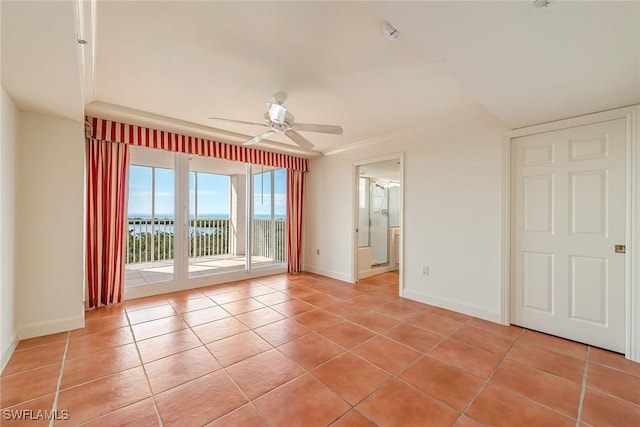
268	227
379	221
212	224
280	214
363	212
150	241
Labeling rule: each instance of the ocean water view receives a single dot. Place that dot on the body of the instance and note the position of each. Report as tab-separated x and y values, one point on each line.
134	215
164	223
191	216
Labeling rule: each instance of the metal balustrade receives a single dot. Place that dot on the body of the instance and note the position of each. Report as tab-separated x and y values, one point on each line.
151	240
269	238
208	237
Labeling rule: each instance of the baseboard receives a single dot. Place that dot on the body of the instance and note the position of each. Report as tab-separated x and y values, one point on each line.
8	350
39	329
328	273
373	271
449	304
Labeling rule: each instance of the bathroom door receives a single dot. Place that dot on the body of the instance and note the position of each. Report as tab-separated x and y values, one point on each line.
379	221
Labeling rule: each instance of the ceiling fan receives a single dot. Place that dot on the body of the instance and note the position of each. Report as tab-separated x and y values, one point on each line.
278	119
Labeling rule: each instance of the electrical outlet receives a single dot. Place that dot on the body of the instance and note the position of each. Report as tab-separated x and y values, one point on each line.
317	251
425	270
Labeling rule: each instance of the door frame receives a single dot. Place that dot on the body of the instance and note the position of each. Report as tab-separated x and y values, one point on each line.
632	268
355	212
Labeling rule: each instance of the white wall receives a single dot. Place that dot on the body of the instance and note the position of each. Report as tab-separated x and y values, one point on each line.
8	142
452	213
49	231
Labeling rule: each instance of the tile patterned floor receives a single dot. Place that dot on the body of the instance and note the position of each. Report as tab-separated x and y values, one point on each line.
305	350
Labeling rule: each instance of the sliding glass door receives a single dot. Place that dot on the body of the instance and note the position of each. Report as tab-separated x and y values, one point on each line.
192	218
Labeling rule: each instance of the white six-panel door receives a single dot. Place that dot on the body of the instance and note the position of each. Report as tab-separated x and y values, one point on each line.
568	213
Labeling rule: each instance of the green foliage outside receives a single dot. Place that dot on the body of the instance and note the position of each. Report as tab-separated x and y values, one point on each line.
214	242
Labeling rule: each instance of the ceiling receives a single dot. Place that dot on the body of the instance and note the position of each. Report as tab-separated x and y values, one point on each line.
40	70
193	60
174	64
530	65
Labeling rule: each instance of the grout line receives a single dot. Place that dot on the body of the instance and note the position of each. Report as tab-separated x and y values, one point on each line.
305	371
224	368
392	376
396	376
144	370
486	381
583	389
54	409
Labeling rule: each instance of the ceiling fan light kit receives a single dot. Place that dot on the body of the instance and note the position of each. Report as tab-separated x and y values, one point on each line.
277	113
278	119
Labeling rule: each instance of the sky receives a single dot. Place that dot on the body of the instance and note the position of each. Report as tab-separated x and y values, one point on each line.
262	193
213	192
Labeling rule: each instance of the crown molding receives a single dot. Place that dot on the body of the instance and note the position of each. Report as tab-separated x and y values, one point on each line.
466	116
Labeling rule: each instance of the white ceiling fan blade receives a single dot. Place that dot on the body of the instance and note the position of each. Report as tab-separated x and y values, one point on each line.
310	127
237	121
298	139
260	137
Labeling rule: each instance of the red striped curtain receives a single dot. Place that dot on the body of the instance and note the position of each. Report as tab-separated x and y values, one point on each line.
295	193
107	167
107	130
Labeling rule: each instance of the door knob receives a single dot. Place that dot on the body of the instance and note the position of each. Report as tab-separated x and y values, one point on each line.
621	249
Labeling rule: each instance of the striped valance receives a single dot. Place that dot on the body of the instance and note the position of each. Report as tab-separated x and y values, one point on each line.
107	130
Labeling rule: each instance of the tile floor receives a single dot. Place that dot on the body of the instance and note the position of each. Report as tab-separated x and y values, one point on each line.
305	350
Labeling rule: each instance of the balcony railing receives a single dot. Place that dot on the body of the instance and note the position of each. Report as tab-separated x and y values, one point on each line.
208	237
153	240
149	240
269	238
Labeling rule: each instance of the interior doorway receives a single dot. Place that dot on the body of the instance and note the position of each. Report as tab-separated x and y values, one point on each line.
378	219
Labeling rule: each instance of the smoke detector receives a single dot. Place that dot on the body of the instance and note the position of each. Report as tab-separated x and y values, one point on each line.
541	3
389	31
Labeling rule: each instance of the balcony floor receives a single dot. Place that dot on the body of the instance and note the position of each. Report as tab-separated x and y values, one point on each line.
145	273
